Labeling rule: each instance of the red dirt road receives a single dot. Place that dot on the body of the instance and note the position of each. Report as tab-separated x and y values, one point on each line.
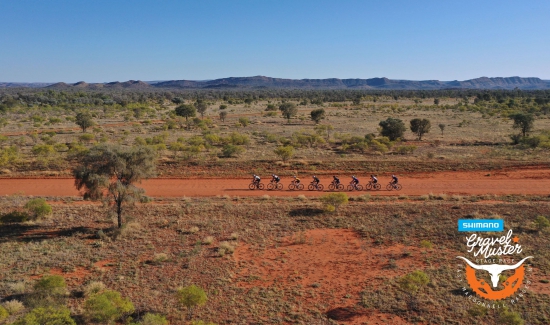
526	181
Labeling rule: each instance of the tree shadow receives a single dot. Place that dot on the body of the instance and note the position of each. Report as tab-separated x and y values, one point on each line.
344	313
30	233
305	212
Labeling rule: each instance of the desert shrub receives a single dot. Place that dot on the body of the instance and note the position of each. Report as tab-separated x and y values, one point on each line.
426	244
107	306
160	258
392	128
477	310
234	236
38	208
47	316
201	322
3	313
93	288
86	137
237	139
516	138
8	156
230	150
225	248
334	200
403	150
284	152
508	317
208	240
13	307
15	216
244	121
541	222
153	319
411	285
307	139
43	150
50	290
191	297
212	139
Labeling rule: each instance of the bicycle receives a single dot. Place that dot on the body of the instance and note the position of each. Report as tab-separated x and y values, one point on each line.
353	186
314	186
295	186
274	186
333	186
370	185
392	186
254	186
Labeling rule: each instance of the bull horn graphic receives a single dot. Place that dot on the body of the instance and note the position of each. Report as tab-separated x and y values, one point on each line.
494	269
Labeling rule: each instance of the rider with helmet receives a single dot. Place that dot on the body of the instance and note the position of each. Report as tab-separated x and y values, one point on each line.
275	178
374	179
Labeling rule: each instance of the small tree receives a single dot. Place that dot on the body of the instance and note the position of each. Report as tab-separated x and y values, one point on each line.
392	128
411	284
107	307
84	120
542	222
230	150
191	297
333	201
317	115
116	170
186	111
244	121
436	101
524	122
288	110
420	127
284	152
442	127
201	107
223	106
223	115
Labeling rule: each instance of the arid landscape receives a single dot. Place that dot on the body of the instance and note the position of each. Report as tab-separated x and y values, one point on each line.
265	256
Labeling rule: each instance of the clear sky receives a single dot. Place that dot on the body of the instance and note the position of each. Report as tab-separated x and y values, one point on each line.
118	40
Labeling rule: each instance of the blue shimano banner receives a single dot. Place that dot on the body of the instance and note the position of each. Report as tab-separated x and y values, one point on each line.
480	225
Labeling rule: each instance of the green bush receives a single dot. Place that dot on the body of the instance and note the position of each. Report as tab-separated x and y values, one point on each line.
230	150
3	313
47	316
508	317
8	156
43	150
237	139
334	200
284	152
50	290
201	322
542	222
15	216
107	307
38	208
191	297
153	319
403	150
87	137
244	121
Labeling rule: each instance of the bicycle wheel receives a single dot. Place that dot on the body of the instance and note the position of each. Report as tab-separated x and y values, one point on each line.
261	186
389	187
270	186
300	186
377	186
368	186
350	188
251	186
359	187
320	187
398	187
340	187
331	187
279	186
310	187
291	186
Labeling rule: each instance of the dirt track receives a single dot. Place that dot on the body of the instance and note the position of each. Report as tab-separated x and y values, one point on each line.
533	182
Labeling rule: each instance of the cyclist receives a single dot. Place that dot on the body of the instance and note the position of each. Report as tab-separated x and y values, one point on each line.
335	180
394	179
354	181
315	180
296	180
374	179
275	178
256	179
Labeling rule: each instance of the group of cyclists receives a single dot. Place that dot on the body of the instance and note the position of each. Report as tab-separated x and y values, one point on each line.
316	183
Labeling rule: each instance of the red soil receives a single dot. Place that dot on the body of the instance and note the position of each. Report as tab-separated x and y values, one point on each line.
330	267
524	181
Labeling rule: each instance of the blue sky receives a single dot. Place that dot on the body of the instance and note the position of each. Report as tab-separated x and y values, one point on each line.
99	41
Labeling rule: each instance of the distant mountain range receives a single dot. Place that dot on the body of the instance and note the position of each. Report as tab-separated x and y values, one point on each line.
261	82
